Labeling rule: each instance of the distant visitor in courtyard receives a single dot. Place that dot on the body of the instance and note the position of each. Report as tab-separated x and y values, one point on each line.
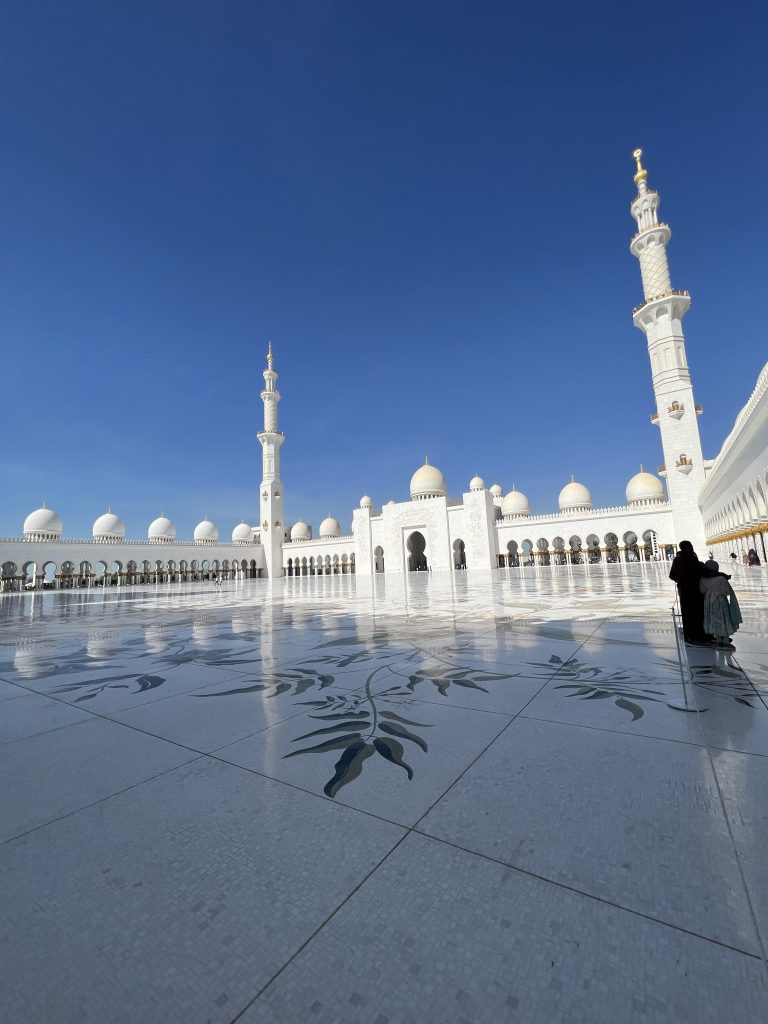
752	557
722	615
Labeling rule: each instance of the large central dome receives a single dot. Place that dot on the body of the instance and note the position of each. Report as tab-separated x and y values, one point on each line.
428	482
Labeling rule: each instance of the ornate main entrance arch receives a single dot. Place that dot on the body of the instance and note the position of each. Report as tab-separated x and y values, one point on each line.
417	557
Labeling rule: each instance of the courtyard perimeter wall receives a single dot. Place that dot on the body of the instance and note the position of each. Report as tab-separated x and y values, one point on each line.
733	498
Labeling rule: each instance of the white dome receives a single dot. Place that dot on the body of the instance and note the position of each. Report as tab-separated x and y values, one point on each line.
644	487
109	527
477	484
391	501
300	531
242	534
42	524
574	496
428	482
161	530
515	504
497	490
206	532
330	528
365	502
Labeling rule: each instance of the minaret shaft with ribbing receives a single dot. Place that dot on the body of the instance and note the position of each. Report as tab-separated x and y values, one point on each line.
660	317
271	496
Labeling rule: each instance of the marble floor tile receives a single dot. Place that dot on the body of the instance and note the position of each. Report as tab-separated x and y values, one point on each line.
54	773
30	714
131	687
744	784
8	690
382	756
438	934
215	716
632	820
177	900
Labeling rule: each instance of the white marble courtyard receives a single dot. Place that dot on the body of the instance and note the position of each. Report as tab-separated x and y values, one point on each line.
438	798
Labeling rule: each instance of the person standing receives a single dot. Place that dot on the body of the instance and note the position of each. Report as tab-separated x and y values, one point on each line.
752	557
687	571
722	615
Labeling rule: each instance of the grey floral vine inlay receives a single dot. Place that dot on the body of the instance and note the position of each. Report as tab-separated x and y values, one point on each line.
365	723
590	682
97	686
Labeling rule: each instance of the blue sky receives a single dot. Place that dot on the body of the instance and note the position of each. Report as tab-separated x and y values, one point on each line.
425	206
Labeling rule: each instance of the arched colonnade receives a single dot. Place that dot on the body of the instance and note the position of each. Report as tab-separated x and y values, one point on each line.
743	522
69	575
588	550
320	565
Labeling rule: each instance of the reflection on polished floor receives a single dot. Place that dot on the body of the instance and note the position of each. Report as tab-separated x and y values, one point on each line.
437	798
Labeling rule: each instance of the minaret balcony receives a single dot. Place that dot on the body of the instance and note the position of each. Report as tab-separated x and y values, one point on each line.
655	305
684	465
655	418
661	231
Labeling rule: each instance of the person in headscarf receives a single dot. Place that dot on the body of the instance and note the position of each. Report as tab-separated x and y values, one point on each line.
722	615
752	558
687	571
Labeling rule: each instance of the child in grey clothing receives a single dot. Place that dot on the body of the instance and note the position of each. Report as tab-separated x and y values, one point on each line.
722	614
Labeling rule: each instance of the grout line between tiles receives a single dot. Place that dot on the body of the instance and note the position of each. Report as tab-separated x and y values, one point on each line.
588	895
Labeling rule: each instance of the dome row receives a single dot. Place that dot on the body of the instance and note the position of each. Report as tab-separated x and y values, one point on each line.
429	482
329	527
44	524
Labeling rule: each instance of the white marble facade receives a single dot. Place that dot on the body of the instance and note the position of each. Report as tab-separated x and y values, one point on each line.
482	529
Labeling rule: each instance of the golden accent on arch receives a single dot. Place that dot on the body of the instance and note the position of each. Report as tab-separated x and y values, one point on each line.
642	174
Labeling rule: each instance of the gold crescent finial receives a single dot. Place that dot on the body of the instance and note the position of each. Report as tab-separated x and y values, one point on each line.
270	358
642	174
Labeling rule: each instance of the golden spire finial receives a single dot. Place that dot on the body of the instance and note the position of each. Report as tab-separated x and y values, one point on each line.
270	358
642	174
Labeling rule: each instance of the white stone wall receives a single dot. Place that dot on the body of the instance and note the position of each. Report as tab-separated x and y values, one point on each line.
396	523
733	499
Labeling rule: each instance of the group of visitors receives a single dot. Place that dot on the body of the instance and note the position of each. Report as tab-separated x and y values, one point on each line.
748	558
708	605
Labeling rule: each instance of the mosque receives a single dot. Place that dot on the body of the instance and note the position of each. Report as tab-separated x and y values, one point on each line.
720	504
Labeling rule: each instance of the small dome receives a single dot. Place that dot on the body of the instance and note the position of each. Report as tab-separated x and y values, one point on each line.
497	490
365	502
477	484
206	532
391	501
109	527
574	496
515	504
42	524
428	482
644	487
161	531
300	531
330	528
242	534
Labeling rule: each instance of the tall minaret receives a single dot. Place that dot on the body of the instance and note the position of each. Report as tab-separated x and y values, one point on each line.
271	500
661	318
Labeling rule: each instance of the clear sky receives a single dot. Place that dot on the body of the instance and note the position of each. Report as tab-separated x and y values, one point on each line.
424	205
